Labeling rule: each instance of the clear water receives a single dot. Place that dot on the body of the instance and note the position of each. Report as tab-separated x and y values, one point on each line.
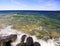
8	30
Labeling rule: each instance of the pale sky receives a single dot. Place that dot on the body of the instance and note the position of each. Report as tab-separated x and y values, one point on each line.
29	4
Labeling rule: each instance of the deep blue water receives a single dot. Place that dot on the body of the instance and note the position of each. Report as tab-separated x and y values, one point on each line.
51	14
30	11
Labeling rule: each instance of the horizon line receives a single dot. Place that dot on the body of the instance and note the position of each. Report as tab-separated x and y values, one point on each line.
29	10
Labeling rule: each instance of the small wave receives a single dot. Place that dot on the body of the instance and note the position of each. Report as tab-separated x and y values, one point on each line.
8	31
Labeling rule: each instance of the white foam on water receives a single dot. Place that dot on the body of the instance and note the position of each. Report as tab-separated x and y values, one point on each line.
8	30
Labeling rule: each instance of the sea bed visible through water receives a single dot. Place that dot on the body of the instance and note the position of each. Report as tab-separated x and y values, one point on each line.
8	30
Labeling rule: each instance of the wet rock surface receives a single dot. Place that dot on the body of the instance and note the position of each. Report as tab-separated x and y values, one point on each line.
7	40
29	42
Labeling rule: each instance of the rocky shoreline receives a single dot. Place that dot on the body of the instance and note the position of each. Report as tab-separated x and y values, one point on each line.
18	38
7	40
